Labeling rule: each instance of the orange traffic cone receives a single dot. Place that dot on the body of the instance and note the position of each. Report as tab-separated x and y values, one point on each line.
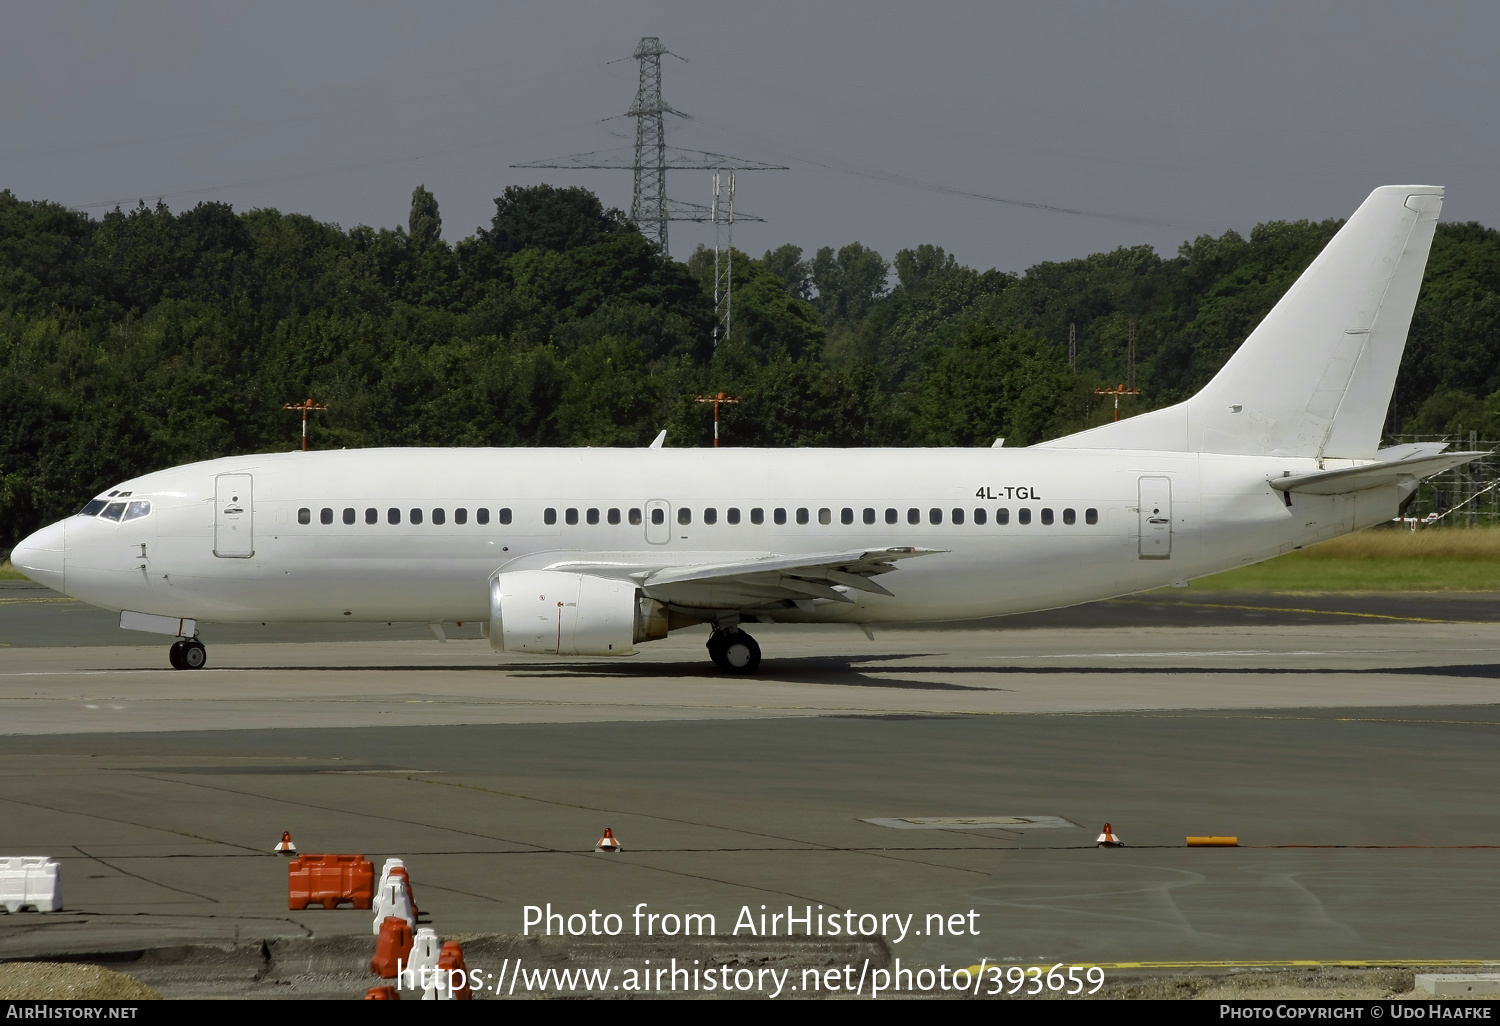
1108	839
286	847
382	994
608	842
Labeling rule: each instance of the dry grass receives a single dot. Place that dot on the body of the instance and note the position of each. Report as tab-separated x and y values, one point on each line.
10	573
1423	543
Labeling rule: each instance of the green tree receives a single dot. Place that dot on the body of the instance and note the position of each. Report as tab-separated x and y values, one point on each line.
549	218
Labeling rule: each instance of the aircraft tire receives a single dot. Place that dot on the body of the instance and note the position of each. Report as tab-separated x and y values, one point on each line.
717	643
194	655
741	653
174	655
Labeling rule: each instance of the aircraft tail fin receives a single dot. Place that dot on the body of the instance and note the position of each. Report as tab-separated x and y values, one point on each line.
1315	377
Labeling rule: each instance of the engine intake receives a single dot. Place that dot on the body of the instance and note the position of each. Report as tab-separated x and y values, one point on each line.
551	612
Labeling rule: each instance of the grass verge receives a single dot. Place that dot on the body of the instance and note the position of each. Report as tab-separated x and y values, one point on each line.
1379	559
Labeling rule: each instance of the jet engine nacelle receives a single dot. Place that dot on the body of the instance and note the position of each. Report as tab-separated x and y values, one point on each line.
551	612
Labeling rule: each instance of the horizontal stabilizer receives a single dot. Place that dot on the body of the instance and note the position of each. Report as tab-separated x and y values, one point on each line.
1373	475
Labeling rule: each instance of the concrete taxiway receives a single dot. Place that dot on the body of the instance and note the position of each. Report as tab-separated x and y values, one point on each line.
1354	756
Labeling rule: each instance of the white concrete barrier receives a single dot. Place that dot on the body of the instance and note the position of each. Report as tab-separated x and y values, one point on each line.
30	881
393	900
1459	984
425	949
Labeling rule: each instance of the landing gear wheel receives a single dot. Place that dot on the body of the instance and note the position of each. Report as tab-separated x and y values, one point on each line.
716	645
194	655
174	654
734	651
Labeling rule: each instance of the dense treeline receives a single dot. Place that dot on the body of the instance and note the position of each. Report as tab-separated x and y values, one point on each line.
148	338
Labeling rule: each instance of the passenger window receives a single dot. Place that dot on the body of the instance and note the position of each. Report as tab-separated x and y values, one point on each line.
481	516
846	516
114	511
372	515
549	516
137	509
958	516
1023	515
592	516
393	516
439	516
891	516
869	515
348	514
684	515
505	516
913	516
1002	516
658	516
460	516
732	514
778	515
710	516
325	515
635	518
416	516
571	516
1046	516
802	516
92	508
757	515
825	516
1091	516
979	515
1070	517
304	515
935	516
614	516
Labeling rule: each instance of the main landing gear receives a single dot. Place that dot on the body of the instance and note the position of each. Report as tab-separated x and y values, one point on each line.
733	651
187	654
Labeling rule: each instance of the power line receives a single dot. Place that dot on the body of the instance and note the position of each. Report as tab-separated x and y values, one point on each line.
650	208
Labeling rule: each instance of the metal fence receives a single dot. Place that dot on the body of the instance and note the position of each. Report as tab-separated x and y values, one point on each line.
1467	496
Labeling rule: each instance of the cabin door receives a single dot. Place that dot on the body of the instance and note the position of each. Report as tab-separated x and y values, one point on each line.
234	514
1156	518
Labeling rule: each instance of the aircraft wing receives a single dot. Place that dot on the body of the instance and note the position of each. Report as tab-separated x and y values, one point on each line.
1373	475
748	583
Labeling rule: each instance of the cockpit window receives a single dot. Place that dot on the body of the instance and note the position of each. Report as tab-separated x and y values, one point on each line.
114	511
137	509
93	508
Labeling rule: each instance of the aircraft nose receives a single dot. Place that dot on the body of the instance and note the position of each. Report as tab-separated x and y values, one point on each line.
40	556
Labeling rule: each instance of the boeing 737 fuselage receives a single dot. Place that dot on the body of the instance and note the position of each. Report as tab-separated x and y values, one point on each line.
595	551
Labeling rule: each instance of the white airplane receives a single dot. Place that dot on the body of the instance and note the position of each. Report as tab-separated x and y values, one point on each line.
594	551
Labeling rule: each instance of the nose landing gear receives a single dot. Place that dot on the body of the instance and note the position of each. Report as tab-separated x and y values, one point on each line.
733	651
187	654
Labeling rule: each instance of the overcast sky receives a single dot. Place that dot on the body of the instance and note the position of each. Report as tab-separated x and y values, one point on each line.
1161	121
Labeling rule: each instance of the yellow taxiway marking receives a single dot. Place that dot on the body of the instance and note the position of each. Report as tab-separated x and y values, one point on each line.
1365	963
1324	612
